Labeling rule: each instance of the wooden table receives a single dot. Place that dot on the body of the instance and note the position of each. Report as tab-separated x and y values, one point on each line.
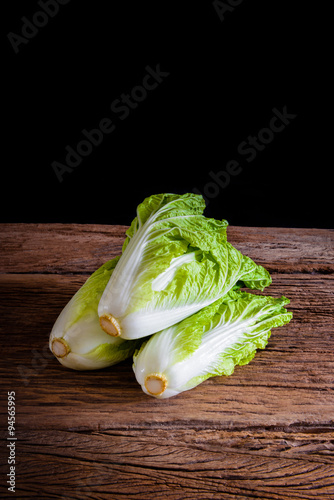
265	432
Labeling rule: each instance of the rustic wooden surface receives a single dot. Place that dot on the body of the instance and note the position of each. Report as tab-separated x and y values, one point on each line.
265	432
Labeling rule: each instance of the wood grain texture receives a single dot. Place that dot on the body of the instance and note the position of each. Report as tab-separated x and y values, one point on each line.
81	248
265	432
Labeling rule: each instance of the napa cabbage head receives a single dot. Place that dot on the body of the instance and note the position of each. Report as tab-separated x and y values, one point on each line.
175	261
77	339
209	343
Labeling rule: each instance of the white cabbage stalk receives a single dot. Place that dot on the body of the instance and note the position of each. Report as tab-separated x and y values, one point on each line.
175	261
207	344
77	339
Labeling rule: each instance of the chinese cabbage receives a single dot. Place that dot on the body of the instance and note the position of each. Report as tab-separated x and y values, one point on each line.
209	343
77	339
175	262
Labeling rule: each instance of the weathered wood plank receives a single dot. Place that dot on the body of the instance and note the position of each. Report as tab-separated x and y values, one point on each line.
289	250
287	384
308	445
58	248
99	405
174	464
38	299
265	432
68	248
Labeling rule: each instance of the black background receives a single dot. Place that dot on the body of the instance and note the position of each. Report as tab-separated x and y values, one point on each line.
225	78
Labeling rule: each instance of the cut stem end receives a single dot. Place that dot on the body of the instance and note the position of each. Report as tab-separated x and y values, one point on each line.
60	348
110	325
156	383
